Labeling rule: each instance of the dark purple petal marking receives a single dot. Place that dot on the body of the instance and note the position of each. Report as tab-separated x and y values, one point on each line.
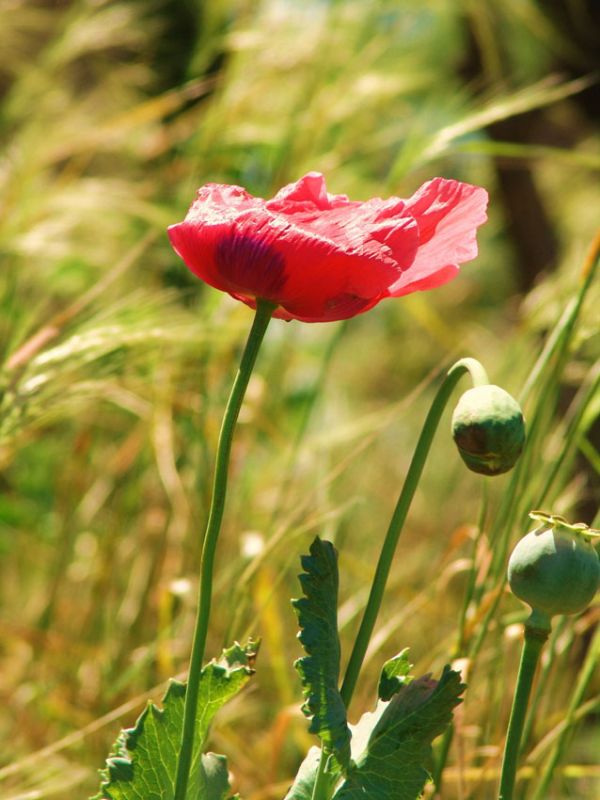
251	265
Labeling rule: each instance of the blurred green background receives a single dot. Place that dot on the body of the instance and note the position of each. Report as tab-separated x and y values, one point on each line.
117	362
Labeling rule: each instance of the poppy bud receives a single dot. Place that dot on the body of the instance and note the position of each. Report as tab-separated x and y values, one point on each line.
555	568
489	429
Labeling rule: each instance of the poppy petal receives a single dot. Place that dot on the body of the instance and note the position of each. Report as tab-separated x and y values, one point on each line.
322	257
448	214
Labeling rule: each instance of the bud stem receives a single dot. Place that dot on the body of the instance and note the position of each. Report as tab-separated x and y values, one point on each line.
456	371
476	370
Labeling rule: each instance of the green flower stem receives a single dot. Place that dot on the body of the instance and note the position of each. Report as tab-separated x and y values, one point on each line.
537	629
543	685
261	321
479	378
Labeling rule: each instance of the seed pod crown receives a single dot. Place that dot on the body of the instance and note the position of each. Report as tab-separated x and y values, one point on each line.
555	568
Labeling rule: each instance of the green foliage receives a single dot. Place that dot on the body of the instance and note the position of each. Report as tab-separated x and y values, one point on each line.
391	747
319	670
394	675
143	763
399	744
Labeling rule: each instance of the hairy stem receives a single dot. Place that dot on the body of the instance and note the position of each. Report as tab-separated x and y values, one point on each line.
262	318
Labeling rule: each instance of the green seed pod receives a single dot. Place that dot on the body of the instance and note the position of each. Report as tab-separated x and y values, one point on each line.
555	568
489	429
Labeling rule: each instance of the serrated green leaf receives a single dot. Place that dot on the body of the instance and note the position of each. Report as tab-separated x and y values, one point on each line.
302	788
319	669
394	675
142	765
399	747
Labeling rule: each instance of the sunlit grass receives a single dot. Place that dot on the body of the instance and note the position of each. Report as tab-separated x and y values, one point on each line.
117	365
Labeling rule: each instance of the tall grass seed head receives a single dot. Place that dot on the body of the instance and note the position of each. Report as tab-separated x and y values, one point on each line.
555	568
489	429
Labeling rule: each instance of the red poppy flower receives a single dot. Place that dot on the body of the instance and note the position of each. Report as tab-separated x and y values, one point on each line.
322	257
